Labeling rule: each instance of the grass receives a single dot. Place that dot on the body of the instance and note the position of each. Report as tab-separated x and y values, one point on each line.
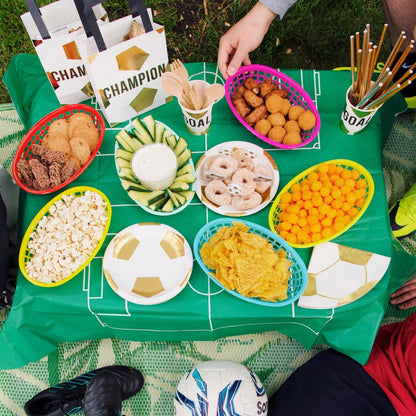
313	33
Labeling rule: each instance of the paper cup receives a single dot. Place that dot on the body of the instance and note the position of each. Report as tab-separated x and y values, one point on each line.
198	122
354	119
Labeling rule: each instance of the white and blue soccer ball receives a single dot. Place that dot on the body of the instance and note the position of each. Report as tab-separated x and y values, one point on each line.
220	388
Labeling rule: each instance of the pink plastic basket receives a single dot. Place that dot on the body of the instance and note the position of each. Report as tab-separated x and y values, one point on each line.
296	95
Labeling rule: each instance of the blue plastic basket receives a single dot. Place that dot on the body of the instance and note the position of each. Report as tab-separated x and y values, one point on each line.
299	274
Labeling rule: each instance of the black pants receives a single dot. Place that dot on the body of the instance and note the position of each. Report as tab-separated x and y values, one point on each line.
330	384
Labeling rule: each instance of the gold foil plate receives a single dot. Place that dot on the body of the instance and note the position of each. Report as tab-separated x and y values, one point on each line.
148	263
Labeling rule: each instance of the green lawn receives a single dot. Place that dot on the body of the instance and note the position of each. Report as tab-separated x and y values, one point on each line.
313	34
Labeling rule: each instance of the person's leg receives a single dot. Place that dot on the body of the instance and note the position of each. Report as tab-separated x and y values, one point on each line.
330	384
401	16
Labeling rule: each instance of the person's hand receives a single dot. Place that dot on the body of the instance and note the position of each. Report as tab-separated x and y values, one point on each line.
405	297
242	38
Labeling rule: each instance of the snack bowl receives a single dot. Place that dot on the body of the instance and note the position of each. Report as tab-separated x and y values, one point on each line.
38	133
249	156
25	254
144	136
296	95
359	206
298	277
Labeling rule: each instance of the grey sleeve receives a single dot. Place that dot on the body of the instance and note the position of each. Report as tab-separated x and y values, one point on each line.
280	7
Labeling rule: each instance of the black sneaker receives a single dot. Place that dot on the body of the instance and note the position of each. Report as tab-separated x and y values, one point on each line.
103	396
66	398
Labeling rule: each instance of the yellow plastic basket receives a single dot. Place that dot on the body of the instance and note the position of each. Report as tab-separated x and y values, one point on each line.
24	253
348	164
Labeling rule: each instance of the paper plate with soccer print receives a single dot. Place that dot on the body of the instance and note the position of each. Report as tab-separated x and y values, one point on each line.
148	263
236	178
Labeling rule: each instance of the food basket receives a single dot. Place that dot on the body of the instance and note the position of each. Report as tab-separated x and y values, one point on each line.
347	164
24	252
296	95
299	275
37	133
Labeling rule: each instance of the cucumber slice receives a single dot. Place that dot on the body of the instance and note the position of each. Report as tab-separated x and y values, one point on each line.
168	207
170	141
123	139
187	177
184	157
122	163
146	198
172	196
159	204
132	186
181	145
127	174
141	132
150	123
179	186
185	169
124	154
180	198
187	194
159	129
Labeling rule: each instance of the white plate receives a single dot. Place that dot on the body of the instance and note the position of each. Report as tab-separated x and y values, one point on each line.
129	129
148	263
258	156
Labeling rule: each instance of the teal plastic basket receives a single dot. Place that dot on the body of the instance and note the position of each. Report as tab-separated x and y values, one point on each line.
299	274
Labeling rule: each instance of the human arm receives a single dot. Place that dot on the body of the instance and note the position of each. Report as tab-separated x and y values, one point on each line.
405	297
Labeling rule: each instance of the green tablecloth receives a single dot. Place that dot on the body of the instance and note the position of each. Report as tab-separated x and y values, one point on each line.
87	308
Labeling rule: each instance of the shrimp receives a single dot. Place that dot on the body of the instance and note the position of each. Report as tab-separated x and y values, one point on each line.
216	192
242	203
243	158
223	166
244	179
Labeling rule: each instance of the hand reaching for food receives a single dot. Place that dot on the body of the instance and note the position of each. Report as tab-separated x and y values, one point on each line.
405	297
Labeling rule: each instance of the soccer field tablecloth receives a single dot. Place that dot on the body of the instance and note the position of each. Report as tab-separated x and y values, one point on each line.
87	308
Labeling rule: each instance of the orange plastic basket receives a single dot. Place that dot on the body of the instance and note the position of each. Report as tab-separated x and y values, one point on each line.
37	133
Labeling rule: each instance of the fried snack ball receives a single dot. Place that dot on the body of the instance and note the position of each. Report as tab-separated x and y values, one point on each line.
252	85
266	87
292	125
241	106
59	126
295	112
286	106
292	137
277	119
252	99
57	142
307	120
263	126
277	133
256	115
80	149
274	103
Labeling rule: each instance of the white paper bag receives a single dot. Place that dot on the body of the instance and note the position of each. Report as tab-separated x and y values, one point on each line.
126	74
55	30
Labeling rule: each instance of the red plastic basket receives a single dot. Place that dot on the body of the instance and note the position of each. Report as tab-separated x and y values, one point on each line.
296	95
37	133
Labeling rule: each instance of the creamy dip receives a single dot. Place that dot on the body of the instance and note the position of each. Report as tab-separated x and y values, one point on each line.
155	166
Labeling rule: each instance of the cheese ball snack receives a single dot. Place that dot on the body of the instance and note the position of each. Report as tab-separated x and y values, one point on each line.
277	134
263	126
292	137
307	120
277	119
274	103
295	112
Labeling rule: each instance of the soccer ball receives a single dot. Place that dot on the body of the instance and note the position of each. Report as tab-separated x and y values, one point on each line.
220	388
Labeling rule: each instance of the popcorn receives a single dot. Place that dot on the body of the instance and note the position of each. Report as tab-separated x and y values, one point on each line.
64	239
